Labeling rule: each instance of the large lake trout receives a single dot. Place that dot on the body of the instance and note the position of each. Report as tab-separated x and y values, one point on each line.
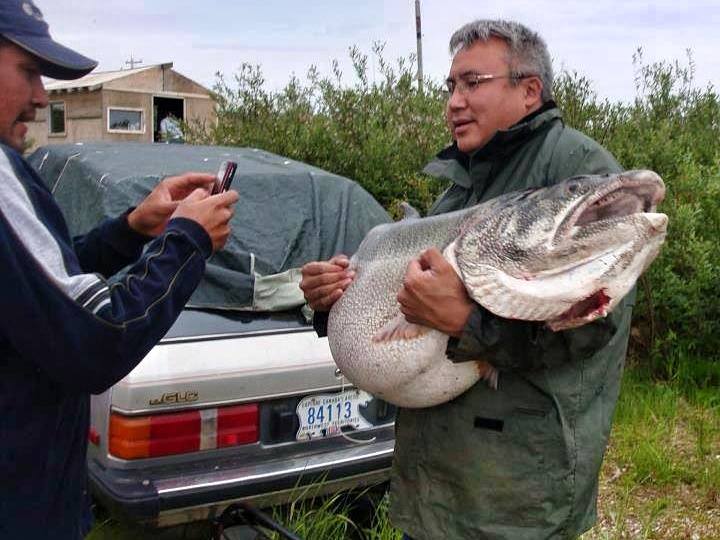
565	255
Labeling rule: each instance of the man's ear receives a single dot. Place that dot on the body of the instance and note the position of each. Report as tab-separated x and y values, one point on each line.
533	91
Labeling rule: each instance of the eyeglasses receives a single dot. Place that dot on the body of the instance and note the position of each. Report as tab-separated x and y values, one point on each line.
469	82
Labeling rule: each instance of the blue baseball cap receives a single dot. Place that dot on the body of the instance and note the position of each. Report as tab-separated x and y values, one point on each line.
21	22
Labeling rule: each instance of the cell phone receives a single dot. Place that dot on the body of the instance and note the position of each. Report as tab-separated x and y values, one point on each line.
224	177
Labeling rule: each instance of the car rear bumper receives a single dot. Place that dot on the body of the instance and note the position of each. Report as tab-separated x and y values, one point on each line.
166	497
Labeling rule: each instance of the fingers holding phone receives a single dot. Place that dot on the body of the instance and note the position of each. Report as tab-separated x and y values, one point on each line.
151	215
212	213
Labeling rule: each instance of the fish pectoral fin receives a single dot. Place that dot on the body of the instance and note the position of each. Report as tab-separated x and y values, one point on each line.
398	328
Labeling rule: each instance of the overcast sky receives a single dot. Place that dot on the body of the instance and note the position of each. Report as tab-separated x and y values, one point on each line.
594	37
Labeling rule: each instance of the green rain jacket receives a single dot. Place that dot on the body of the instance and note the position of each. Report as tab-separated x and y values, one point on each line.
520	462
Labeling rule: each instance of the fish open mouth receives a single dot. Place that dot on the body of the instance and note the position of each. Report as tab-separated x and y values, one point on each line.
592	307
633	193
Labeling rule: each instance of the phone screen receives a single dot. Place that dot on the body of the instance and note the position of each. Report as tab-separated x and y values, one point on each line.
224	176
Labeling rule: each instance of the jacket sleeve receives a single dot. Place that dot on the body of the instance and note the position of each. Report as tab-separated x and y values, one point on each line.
84	333
110	246
512	344
74	327
525	346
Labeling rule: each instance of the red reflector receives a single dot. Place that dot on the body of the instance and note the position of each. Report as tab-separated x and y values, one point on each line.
231	439
237	425
94	437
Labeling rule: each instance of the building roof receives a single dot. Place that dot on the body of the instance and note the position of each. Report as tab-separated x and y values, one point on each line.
95	80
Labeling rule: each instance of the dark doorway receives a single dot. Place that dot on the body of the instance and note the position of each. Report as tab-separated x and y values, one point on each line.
161	108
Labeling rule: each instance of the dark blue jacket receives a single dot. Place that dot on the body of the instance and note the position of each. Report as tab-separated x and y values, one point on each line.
65	333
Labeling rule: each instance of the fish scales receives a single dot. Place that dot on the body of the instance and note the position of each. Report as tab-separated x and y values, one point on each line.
380	267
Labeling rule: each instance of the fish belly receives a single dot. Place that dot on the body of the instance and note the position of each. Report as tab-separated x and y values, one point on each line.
407	372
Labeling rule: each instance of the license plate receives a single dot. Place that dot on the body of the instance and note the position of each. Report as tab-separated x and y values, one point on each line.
323	415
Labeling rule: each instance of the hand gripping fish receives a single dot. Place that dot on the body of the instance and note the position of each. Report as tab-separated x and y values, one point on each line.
565	255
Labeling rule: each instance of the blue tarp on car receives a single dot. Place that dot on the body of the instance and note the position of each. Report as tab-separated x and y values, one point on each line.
289	212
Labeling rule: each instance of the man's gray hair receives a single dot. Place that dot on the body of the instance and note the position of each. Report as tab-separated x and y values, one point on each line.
528	52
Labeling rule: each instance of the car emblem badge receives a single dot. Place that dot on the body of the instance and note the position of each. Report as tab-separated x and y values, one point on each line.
173	398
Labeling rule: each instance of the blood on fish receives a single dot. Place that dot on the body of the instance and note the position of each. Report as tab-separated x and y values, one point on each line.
592	304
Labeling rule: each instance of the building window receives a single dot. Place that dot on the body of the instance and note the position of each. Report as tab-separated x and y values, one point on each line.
57	118
125	120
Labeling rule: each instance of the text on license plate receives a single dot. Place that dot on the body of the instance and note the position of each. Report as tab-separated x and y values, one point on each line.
323	415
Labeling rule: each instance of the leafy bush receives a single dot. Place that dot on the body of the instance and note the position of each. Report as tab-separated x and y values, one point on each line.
381	133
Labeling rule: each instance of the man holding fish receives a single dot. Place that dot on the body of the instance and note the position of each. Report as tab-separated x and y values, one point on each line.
519	460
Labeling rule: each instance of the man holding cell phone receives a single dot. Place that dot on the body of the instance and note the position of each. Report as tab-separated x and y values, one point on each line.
65	332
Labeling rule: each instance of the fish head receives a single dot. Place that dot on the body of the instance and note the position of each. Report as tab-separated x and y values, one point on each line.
566	254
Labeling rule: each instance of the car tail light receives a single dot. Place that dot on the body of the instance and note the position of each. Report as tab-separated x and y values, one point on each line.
133	437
